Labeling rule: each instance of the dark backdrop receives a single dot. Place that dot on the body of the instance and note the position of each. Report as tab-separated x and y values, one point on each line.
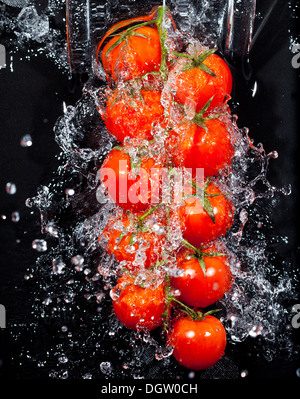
31	100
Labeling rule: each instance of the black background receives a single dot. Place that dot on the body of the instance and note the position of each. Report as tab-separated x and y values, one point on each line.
31	100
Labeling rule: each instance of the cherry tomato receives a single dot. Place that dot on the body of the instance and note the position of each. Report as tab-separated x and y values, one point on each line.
138	307
194	86
207	148
132	53
204	222
196	288
198	344
138	249
133	115
132	187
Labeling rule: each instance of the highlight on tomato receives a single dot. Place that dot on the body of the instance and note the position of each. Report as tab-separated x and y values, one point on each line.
199	76
206	216
202	142
133	114
132	182
132	242
139	307
198	340
204	276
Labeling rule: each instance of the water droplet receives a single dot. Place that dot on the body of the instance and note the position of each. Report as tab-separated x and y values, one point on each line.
63	359
105	367
87	376
52	229
58	266
69	191
11	188
39	245
15	216
298	372
26	141
244	373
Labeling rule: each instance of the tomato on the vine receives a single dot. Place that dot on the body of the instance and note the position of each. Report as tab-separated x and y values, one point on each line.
125	239
131	185
133	114
206	217
198	344
209	148
197	78
132	53
138	307
205	277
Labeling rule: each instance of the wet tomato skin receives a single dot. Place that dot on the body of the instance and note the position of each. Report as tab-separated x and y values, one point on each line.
119	240
139	307
197	225
195	87
129	189
198	148
133	115
198	344
196	288
135	56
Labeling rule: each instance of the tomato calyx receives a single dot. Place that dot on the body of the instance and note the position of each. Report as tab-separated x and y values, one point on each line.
200	119
199	254
197	61
194	314
131	31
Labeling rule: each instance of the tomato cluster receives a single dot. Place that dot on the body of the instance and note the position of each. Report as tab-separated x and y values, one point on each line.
165	104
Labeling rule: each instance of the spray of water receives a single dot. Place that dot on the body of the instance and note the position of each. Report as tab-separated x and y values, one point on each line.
74	275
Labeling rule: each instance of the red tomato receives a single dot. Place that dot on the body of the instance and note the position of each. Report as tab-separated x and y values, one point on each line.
136	53
194	86
196	288
197	221
209	149
122	240
138	307
198	344
133	115
131	189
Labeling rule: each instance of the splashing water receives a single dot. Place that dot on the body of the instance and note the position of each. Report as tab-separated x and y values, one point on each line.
74	276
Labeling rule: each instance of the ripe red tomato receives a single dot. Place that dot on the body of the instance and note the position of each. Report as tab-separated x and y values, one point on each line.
132	53
133	189
133	115
202	223
122	239
198	344
194	86
210	149
196	288
138	307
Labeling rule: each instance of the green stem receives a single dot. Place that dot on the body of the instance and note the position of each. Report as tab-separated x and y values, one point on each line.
149	212
164	51
189	245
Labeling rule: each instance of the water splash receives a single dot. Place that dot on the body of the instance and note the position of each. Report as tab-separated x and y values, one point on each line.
74	277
